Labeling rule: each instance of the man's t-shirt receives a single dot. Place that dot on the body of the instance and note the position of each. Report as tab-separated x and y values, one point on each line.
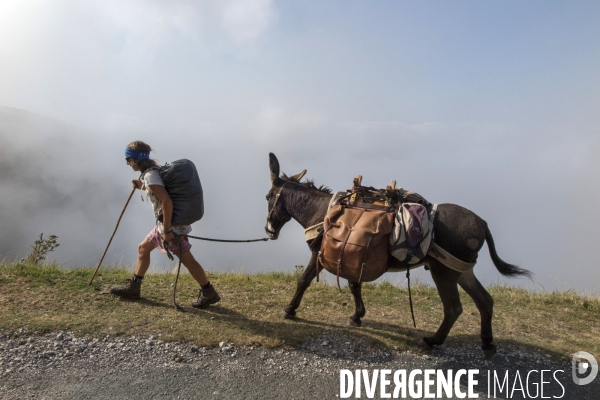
152	177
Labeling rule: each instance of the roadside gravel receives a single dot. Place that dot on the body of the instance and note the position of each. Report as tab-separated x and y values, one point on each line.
63	366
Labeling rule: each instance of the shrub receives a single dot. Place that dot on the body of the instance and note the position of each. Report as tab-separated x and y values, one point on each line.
41	248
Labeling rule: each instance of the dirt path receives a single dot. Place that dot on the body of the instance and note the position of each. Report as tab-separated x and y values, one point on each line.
60	366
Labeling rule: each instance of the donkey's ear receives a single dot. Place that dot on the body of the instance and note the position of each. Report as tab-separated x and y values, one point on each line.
274	167
299	176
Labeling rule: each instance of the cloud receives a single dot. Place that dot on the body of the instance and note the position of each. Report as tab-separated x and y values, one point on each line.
82	61
245	20
151	24
53	182
334	91
278	127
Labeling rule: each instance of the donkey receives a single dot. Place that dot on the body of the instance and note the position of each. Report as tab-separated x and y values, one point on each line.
456	229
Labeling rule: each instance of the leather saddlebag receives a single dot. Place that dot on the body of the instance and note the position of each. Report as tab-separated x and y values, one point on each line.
355	242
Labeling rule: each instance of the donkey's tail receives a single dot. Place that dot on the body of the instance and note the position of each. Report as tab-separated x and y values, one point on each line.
503	267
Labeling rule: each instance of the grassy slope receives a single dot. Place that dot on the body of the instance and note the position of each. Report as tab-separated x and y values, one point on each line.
250	312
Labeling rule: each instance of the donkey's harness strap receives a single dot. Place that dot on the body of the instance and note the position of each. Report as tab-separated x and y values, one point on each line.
277	196
312	232
448	259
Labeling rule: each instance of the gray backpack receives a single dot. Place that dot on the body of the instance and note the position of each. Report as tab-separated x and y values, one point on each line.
183	185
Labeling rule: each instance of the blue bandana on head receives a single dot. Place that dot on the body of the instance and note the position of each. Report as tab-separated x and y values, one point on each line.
136	155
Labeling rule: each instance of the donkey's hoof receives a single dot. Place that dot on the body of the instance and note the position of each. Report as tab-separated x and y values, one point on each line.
353	322
489	351
287	315
426	343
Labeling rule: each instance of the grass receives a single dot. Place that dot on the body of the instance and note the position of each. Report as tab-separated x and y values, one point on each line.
50	298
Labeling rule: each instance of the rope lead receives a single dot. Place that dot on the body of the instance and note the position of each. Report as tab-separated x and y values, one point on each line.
229	241
179	238
410	298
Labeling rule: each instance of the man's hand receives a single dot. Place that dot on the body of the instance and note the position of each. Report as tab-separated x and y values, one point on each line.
137	184
168	237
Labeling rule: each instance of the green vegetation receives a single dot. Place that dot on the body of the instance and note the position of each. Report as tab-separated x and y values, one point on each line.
41	248
48	298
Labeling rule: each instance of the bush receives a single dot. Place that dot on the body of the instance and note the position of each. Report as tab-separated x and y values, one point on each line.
41	248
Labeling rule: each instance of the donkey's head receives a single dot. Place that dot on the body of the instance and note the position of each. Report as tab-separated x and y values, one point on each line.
278	213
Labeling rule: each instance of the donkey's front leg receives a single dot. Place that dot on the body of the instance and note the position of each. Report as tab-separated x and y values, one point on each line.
303	283
359	311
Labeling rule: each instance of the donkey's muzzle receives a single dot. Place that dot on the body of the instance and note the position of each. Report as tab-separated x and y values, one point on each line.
273	235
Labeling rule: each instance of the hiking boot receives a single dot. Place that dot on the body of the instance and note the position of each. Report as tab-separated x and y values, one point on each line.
130	291
207	297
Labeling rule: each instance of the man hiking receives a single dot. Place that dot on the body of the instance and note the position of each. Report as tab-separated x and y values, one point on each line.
137	155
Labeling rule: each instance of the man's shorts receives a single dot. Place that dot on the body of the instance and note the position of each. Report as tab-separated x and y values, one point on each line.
156	239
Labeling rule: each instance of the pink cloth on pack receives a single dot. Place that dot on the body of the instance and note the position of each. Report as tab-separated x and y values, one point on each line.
156	239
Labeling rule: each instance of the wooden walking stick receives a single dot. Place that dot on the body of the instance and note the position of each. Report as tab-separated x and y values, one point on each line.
113	234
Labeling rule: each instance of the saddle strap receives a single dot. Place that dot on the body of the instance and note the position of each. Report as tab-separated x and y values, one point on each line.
340	260
364	261
448	259
312	232
317	265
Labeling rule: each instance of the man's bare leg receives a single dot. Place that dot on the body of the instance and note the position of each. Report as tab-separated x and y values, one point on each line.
194	267
133	287
143	260
208	294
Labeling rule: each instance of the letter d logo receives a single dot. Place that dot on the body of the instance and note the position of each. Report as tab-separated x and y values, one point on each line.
581	368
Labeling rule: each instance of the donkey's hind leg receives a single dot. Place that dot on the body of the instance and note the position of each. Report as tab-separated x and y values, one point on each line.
359	311
446	281
303	283
485	304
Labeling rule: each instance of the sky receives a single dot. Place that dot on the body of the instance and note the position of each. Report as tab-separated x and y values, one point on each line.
493	105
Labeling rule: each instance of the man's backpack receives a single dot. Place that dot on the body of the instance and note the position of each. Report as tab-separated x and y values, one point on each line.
356	232
185	190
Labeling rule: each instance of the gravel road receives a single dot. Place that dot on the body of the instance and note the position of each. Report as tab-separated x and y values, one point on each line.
62	366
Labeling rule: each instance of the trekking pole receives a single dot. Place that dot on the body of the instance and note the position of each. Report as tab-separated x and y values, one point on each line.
113	234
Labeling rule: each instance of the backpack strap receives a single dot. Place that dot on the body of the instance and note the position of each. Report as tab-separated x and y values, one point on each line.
148	170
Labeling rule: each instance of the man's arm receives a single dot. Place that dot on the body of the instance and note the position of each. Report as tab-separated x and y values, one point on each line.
167	209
